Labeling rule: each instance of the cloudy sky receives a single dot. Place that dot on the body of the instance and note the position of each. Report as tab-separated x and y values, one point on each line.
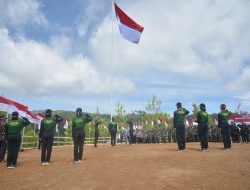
62	54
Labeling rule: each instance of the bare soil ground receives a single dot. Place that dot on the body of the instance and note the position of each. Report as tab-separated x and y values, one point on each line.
136	167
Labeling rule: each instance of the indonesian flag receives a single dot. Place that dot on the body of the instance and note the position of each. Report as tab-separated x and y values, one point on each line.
40	117
159	121
187	123
129	29
10	106
152	122
215	121
32	118
134	126
66	124
57	128
166	123
140	126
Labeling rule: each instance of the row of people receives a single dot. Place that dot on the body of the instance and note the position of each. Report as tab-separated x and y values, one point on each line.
15	125
10	135
202	120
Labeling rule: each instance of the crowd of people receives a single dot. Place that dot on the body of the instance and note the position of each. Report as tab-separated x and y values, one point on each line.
10	133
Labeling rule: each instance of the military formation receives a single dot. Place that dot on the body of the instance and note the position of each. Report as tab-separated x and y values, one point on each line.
10	133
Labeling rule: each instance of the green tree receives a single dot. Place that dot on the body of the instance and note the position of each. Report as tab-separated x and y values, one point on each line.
154	105
121	117
195	111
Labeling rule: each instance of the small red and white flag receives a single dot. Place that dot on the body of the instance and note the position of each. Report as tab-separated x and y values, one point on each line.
129	29
159	121
40	117
152	122
215	121
166	123
66	124
57	128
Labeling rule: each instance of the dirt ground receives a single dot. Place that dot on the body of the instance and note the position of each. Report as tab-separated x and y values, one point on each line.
136	167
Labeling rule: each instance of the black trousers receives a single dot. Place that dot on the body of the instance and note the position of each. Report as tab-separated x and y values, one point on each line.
78	139
39	144
96	139
202	131
47	144
113	138
226	136
14	141
3	146
131	137
180	136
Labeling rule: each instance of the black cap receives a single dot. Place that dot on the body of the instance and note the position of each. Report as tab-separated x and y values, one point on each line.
48	112
223	106
202	106
178	104
79	110
15	114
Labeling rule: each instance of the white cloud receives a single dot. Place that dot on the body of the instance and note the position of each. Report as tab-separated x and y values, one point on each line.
31	68
194	38
241	83
93	15
21	12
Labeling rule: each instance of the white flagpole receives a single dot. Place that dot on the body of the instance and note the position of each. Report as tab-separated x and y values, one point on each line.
111	62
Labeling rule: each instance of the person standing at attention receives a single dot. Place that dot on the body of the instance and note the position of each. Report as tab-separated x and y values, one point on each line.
13	133
224	127
46	135
202	120
179	124
113	131
78	133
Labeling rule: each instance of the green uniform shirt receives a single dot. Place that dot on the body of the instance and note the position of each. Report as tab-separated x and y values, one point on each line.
223	117
15	126
49	124
112	127
80	122
179	115
202	117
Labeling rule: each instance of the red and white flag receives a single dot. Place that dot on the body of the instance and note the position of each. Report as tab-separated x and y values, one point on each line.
152	122
10	106
215	121
66	124
166	123
40	117
32	118
129	29
159	121
57	128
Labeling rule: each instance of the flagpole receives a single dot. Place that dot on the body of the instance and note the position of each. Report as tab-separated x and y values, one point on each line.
111	62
